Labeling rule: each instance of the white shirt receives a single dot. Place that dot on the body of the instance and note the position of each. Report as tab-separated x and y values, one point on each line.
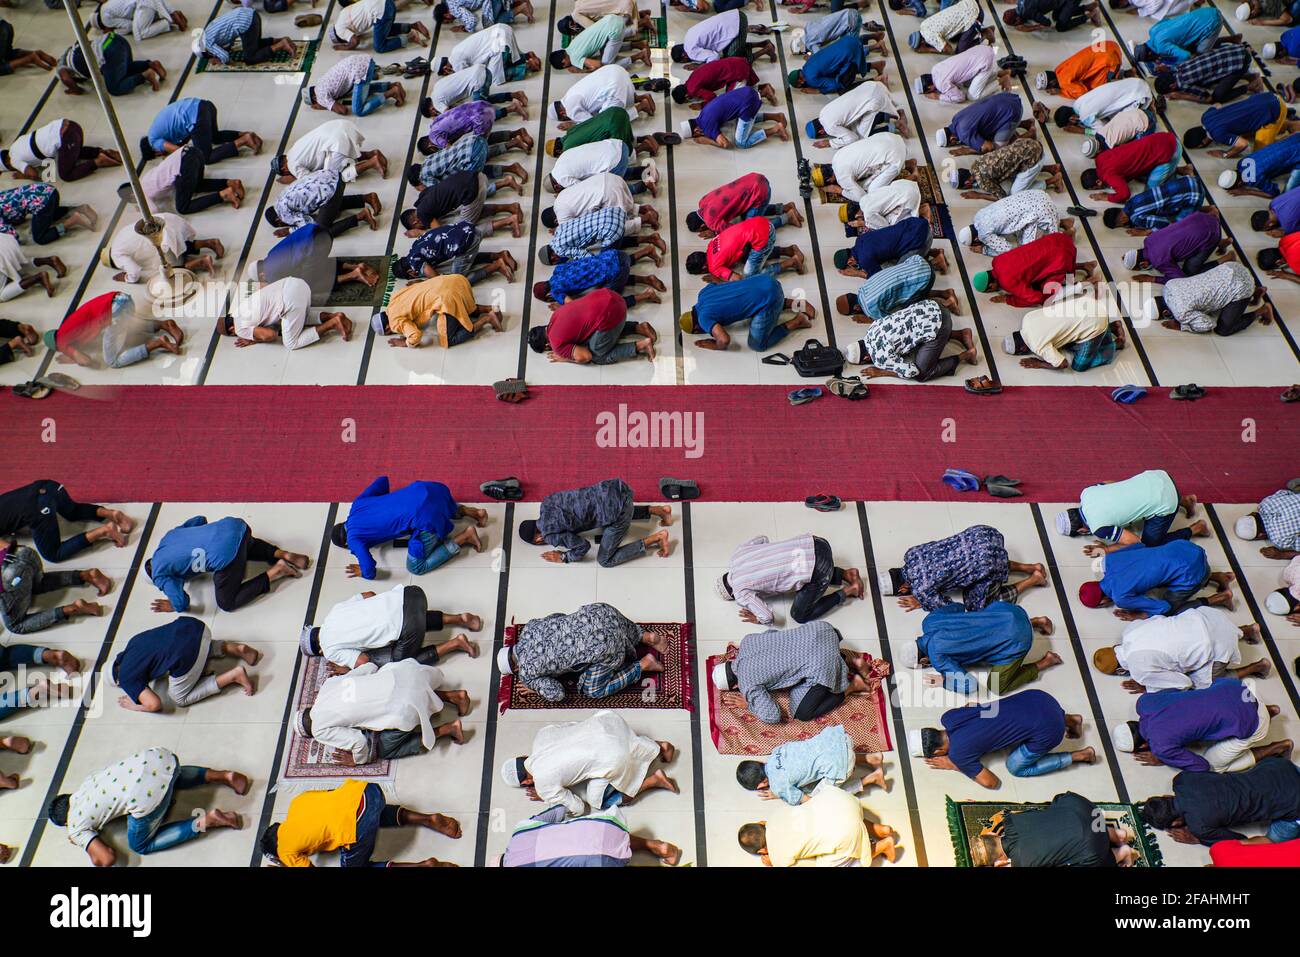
598	752
887	205
949	22
138	257
611	85
458	86
280	305
358	19
134	786
575	165
486	47
1105	101
587	12
595	192
361	624
335	145
868	164
144	18
400	696
48	140
850	115
1179	652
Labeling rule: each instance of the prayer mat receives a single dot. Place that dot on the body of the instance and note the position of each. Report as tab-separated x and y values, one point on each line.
739	732
306	760
967	818
280	62
669	689
932	195
358	293
657	34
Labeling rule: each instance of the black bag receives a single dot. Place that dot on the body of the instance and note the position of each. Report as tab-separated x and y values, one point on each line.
812	360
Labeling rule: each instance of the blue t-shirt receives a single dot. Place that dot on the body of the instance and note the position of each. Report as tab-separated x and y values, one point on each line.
728	302
1242	118
1032	718
741	103
166	650
983	120
876	247
832	68
196	547
1290	41
174	123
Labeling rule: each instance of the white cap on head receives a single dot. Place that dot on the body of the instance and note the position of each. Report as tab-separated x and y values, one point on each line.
1246	527
1130	258
1150	311
1242	13
720	586
914	743
941	137
885	582
954	176
966	236
300	722
1009	345
909	656
1122	735
1228	179
720	677
1277	602
510	772
856	352
503	662
1089	146
684	129
1269	52
918	86
797	42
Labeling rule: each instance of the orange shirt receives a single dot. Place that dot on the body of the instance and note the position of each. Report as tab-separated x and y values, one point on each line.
1087	69
728	248
319	821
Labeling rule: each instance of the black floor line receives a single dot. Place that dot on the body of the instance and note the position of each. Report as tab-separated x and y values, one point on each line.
1080	657
1242	256
956	258
263	201
777	37
92	683
1280	664
697	706
1084	221
494	681
901	753
282	741
534	222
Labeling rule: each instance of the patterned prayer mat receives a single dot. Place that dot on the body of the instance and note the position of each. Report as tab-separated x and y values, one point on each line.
298	62
358	293
967	818
305	760
932	194
739	732
657	35
668	689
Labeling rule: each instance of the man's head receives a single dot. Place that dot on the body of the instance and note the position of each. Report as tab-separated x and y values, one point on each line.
1090	179
1195	138
444	67
1165	83
1128	738
891	582
1011	18
226	326
538	342
678	53
723	676
1014	345
983	281
426	108
927	742
986	850
843	258
339	535
1162	813
57	811
1249	528
1114	218
273	218
697	263
679	93
1270	259
542	290
688	323
425	146
751	775
560	60
846	304
1091	595
753	838
1261	220
722	585
413	175
1135	259
795	79
146	149
549	219
309	641
694	222
528	530
1047	82
302	722
514	772
814	129
960	177
411	219
1064	116
923	84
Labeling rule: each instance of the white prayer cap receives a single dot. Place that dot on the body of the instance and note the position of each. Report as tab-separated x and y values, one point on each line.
909	656
798	44
1269	52
914	743
300	723
306	95
1009	345
1228	179
513	771
885	582
856	353
377	324
941	137
503	662
918	86
1246	527
720	677
1122	735
684	129
1089	146
720	584
1278	602
1130	258
555	110
1150	311
954	175
1243	12
966	236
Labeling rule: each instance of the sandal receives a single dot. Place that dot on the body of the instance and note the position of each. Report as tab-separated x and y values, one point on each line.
1191	392
824	502
31	390
307	20
1080	211
983	385
668	139
847	387
1292	394
503	490
801	396
678	490
511	390
959	480
1128	394
1000	486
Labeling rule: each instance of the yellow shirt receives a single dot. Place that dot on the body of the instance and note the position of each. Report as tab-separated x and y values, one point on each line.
1269	133
416	305
319	821
824	831
1067	322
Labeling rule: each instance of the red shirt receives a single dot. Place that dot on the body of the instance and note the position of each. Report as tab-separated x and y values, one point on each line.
705	81
579	319
1134	160
1023	272
1239	854
86	322
720	206
1290	249
728	247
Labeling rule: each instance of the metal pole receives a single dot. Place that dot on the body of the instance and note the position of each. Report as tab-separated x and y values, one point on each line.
151	224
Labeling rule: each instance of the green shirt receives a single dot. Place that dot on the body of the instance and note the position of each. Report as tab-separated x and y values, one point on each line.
1122	503
591	41
609	124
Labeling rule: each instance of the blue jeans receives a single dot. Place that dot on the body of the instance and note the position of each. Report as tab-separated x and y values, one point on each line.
436	552
623	163
388	34
765	331
1024	763
1155	531
148	834
375	814
368	96
1161	173
746	135
918	7
1280	831
757	262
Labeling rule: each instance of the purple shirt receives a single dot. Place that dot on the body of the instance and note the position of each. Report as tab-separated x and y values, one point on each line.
741	103
705	41
983	120
1169	245
475	117
1172	720
1287	209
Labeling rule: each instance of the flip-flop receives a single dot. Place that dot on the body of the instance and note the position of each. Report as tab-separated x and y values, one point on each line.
1128	394
1292	394
60	380
668	139
800	396
658	84
1080	211
32	390
959	480
1000	480
847	387
993	388
1191	392
678	490
824	502
503	490
1002	490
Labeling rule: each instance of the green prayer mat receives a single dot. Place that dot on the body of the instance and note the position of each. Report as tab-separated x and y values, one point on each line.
280	62
967	818
358	293
657	34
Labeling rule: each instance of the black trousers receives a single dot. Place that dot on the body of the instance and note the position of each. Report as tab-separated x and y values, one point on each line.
809	601
1233	318
928	358
255	49
122	74
818	701
6	47
1068	15
232	591
397	744
1195	263
213	142
8	330
48	501
1230	87
327	215
193	191
45	219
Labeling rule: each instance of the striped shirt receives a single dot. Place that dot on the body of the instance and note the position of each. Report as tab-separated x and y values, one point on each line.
222	32
467	155
338	81
895	286
601	228
763	567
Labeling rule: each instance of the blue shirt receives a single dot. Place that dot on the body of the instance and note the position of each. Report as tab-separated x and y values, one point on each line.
983	120
304	253
1290	41
1133	571
379	515
955	639
174	123
1177	38
876	247
1287	209
742	103
895	287
1259	168
728	302
796	765
1242	118
607	269
1032	718
169	649
1172	720
835	66
194	548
